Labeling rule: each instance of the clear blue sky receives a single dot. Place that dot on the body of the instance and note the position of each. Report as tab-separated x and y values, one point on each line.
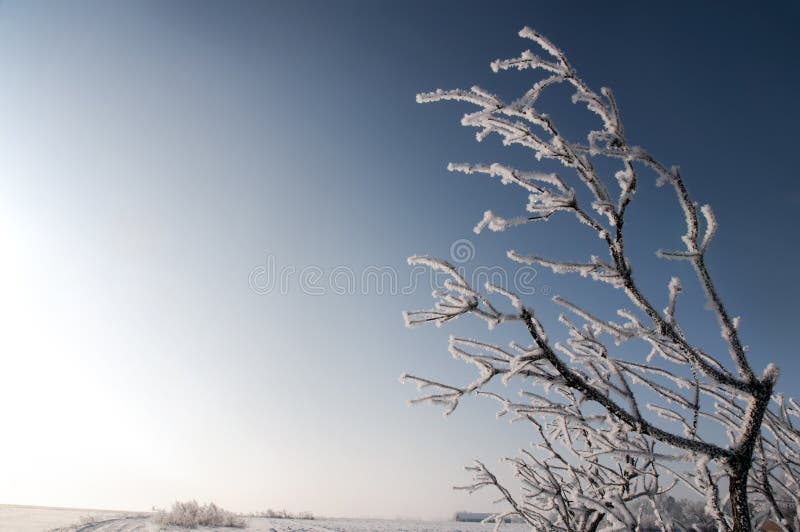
154	155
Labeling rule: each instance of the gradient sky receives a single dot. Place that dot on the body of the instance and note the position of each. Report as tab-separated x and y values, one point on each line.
154	155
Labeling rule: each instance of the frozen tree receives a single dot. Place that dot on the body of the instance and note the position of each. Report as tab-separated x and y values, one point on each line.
613	432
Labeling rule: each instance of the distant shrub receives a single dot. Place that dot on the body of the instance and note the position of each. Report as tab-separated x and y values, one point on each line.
282	514
191	515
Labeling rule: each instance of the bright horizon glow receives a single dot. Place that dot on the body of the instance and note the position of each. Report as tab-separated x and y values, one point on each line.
152	155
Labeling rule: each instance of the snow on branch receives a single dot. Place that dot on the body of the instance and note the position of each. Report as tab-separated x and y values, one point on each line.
598	459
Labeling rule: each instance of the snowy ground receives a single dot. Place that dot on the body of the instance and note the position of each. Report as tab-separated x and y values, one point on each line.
41	519
370	525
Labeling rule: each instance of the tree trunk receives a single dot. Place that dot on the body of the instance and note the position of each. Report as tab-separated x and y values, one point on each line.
738	495
742	460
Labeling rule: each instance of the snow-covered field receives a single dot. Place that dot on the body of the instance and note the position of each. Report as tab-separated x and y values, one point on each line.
369	525
40	519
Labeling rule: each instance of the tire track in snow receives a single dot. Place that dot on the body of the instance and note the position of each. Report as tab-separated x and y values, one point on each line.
118	524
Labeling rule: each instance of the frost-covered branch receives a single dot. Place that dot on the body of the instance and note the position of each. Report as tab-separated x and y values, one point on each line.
584	397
